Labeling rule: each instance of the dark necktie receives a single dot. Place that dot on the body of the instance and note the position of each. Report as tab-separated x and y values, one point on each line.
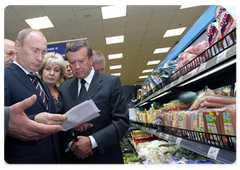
36	83
83	92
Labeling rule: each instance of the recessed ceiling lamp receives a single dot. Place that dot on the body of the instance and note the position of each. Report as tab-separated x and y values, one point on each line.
143	77
147	71
116	74
115	39
39	23
115	67
174	32
115	56
153	62
190	5
114	11
161	50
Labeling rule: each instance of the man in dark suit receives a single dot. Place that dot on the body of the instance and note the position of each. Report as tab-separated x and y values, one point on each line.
101	143
31	46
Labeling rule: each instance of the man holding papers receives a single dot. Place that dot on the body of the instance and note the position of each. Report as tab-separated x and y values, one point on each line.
100	143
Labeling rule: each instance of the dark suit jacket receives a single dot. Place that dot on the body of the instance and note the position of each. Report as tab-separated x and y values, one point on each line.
108	129
17	87
5	119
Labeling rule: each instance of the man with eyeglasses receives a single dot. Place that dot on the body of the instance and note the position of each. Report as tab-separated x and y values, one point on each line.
9	52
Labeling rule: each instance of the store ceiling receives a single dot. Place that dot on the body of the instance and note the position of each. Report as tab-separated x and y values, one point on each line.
143	29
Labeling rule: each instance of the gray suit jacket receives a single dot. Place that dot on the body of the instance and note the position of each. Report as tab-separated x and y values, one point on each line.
112	124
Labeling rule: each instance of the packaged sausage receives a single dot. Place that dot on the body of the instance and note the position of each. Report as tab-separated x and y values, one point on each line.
226	124
193	119
201	124
175	120
190	49
183	119
197	101
232	109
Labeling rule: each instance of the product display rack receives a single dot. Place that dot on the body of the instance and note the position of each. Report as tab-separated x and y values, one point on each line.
219	147
195	141
195	68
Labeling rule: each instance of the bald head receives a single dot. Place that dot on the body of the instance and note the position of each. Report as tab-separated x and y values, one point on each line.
9	52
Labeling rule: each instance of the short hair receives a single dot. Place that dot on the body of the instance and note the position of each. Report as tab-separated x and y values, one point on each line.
23	34
53	58
77	45
98	57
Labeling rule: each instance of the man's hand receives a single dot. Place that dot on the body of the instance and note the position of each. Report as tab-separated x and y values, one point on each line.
82	148
82	127
21	127
50	119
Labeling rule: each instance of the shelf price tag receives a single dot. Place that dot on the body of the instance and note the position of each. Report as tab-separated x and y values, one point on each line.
154	131
180	79
178	141
166	136
202	67
194	72
221	57
213	152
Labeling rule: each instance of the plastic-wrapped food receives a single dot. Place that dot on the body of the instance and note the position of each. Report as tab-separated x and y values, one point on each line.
190	49
200	47
189	58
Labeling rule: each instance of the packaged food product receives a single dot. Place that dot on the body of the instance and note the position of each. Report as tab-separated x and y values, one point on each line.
231	7
190	49
183	119
200	47
226	25
226	123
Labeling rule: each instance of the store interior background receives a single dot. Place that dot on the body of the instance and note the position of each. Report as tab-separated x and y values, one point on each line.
143	29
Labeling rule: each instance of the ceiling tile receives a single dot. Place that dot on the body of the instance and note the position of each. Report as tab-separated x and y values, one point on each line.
139	9
89	15
69	29
63	19
15	27
138	20
114	23
29	11
10	15
53	9
166	16
91	26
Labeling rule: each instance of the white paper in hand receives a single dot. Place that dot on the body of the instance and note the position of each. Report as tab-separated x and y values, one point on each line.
79	114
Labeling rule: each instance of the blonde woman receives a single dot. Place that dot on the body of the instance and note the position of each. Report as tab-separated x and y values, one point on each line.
51	71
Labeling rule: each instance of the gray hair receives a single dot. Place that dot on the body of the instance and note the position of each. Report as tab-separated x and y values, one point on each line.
53	59
98	57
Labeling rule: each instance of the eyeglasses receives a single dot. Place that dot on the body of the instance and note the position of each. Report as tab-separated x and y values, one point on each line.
10	53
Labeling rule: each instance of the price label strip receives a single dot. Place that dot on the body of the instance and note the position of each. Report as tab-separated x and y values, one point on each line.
178	141
166	136
202	67
222	56
213	152
194	72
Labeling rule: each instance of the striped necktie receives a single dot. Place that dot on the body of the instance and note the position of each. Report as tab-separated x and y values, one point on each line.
36	83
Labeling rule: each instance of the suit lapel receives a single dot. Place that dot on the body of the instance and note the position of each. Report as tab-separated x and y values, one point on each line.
20	74
73	89
95	85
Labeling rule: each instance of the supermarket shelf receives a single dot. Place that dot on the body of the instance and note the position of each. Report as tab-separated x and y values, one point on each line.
216	153
222	60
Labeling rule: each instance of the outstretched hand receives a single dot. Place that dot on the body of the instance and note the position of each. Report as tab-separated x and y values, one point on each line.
21	127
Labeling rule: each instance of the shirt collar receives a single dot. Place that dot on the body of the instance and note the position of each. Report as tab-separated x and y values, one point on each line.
25	71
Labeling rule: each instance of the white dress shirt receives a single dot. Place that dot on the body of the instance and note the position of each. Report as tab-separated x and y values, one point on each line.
88	80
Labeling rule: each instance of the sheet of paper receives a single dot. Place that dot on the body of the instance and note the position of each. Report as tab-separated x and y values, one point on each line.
79	114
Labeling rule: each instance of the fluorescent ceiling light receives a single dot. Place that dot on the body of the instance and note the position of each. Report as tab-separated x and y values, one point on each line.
115	39
147	71
174	32
190	5
39	23
116	74
143	77
115	67
115	56
161	50
153	62
114	11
